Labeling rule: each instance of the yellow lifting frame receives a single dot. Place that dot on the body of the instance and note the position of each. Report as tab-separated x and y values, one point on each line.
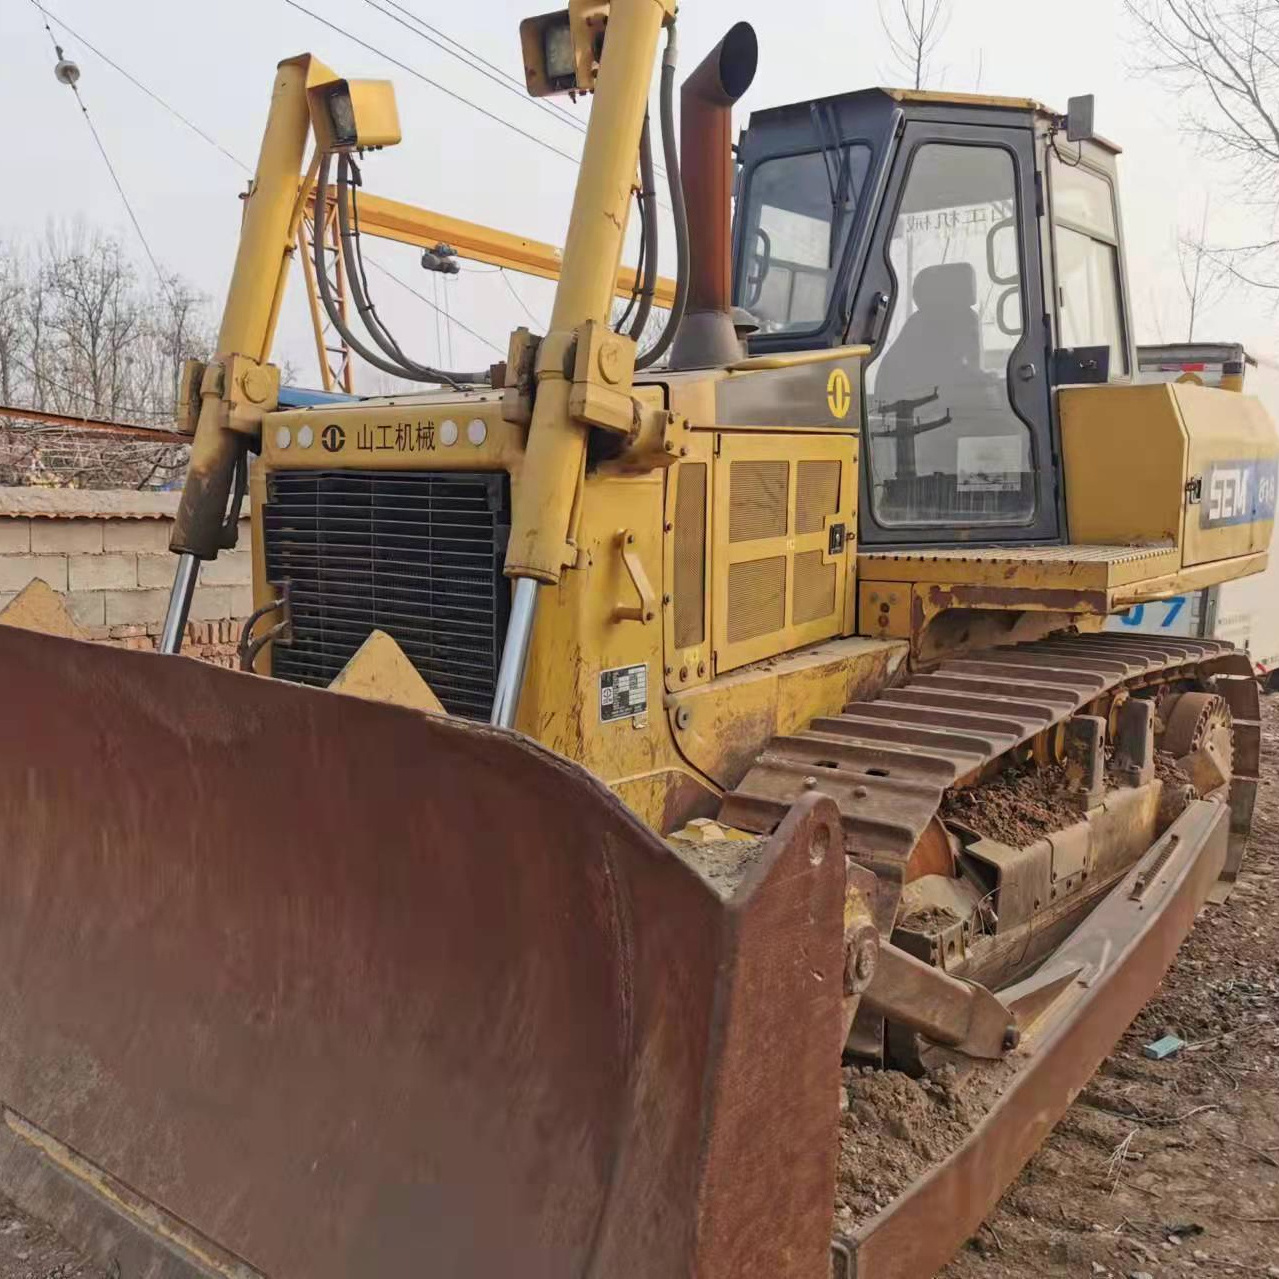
423	228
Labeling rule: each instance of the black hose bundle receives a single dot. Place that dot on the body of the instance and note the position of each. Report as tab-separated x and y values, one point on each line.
670	156
390	358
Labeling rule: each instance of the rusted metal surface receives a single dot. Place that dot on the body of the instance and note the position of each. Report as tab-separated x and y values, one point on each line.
351	991
944	1009
944	727
95	425
1074	1009
1191	721
706	137
1234	678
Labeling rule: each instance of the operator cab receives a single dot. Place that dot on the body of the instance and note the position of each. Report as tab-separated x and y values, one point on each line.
978	252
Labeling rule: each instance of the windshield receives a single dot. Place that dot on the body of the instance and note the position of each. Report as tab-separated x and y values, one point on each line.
799	211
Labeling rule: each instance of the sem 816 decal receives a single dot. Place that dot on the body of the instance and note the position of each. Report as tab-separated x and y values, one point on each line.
1238	493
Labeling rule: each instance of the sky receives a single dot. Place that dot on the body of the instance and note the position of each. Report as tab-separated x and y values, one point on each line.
214	65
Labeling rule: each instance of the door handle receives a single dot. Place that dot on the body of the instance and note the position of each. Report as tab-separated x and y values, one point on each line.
878	314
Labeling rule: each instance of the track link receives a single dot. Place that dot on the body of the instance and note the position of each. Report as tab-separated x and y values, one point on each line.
887	761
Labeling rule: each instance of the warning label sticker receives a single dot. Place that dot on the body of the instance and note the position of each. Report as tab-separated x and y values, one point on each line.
623	692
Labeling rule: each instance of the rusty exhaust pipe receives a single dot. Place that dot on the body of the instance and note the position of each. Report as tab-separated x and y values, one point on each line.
706	335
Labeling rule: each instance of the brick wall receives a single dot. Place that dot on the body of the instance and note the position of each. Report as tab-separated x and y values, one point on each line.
107	554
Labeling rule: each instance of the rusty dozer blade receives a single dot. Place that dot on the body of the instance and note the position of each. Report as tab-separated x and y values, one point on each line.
299	985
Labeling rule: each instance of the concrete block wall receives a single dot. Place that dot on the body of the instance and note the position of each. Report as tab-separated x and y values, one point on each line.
112	565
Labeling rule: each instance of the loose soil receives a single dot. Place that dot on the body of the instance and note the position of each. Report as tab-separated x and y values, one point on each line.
1171	1167
1160	1168
1019	806
896	1128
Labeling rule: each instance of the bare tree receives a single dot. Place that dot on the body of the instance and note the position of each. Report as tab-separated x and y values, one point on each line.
80	336
1222	59
1201	275
914	29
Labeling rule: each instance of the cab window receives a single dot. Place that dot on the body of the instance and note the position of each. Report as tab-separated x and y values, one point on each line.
946	447
1086	236
799	212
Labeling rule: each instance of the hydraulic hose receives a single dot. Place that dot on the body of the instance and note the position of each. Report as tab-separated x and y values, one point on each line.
359	284
330	302
670	155
649	232
624	320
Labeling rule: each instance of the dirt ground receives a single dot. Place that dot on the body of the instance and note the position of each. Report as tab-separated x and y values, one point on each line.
1167	1168
1160	1169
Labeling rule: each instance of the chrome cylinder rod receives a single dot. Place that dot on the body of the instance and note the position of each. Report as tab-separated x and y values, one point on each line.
175	620
519	633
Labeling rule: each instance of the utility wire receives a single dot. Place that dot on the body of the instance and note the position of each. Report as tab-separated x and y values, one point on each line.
499	76
435	84
213	142
441	310
506	279
137	84
489	70
439	336
563	112
115	177
448	319
85	397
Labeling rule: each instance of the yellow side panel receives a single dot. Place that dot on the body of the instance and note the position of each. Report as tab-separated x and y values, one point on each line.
721	727
1232	465
1125	450
687	565
780	567
574	700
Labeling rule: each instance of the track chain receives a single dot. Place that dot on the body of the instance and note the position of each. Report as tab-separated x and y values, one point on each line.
888	761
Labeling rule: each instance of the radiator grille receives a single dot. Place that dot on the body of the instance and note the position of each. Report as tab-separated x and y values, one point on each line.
689	587
814	588
416	554
757	500
756	598
816	494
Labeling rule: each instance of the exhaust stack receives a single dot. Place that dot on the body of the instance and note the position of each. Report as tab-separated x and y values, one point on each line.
706	335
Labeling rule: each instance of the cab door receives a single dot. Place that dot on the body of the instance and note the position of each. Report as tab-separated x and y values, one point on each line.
959	436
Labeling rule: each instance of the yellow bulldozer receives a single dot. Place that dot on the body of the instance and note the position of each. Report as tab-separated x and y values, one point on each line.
632	738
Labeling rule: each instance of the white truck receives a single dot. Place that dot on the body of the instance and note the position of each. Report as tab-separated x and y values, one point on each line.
1245	612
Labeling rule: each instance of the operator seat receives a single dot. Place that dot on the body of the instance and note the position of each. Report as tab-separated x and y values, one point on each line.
939	346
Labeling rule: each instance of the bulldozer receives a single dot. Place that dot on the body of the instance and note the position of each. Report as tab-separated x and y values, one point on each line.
634	736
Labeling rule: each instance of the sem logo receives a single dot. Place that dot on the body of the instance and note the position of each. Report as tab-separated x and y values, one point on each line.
1238	493
839	393
332	437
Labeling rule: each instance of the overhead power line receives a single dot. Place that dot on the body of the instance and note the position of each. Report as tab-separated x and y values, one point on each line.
160	101
506	279
469	58
155	97
435	84
68	74
441	310
128	410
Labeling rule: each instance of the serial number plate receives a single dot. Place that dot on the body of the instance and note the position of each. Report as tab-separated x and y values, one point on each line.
623	692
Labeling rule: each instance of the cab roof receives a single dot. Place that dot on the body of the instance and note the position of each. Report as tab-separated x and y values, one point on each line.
927	98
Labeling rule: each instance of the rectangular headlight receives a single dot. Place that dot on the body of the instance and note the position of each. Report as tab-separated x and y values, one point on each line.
557	49
342	117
